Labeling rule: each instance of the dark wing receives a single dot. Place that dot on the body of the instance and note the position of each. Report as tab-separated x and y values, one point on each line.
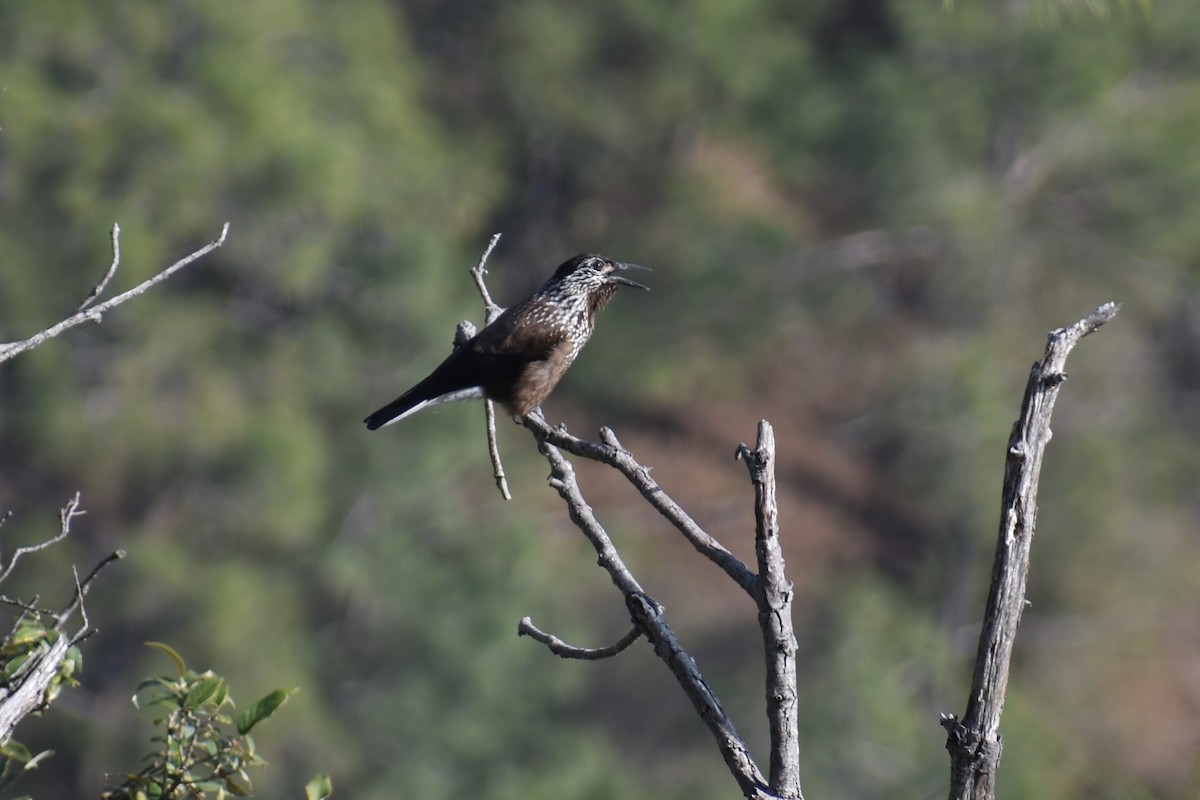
492	360
518	335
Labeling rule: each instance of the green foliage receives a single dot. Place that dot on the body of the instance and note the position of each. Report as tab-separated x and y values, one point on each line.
198	756
319	788
17	762
29	641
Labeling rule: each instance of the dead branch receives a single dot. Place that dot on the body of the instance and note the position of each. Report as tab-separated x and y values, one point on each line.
773	596
772	593
648	618
25	691
610	451
491	310
81	591
24	696
98	289
563	650
96	313
65	515
974	742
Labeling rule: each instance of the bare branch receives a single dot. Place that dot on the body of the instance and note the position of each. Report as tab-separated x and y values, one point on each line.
610	452
562	479
78	602
81	589
13	349
65	515
489	410
20	699
25	691
31	606
490	311
563	650
112	269
647	617
974	743
490	308
774	600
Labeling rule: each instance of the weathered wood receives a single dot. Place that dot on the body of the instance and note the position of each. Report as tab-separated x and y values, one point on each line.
974	742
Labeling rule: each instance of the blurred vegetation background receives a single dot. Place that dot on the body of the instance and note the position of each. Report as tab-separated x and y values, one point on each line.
863	217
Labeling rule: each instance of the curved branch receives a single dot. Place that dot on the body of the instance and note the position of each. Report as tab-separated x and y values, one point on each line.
974	743
563	650
99	288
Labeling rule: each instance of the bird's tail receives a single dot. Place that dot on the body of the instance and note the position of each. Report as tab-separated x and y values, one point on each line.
412	401
395	411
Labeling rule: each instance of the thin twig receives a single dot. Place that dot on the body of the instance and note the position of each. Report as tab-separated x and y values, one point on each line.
112	269
490	311
94	314
489	411
79	601
609	451
30	606
65	515
974	743
83	588
563	650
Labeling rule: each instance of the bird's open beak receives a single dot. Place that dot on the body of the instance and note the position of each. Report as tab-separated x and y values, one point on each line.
625	281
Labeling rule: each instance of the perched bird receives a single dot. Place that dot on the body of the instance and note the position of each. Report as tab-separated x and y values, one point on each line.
520	357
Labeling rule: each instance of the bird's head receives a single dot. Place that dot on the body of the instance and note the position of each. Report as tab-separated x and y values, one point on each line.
595	271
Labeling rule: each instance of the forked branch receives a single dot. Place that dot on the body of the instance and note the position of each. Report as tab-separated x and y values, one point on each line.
771	593
43	647
648	619
89	313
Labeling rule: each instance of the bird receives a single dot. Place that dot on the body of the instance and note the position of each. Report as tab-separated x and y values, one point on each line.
520	357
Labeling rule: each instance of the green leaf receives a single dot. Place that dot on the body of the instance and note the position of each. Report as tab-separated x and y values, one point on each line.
204	690
180	666
170	698
14	665
319	788
222	693
262	709
15	751
237	788
26	633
